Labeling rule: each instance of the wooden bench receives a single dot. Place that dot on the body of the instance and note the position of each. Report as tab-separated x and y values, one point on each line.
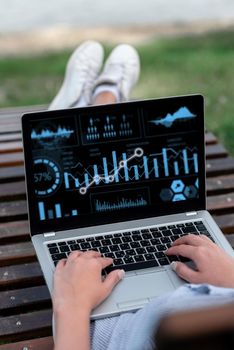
25	305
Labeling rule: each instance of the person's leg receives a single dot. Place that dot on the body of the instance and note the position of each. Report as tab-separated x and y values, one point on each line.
119	76
81	72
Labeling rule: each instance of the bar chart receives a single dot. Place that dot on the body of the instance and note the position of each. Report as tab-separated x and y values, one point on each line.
168	162
53	213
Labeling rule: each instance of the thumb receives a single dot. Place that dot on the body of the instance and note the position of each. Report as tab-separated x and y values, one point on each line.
112	279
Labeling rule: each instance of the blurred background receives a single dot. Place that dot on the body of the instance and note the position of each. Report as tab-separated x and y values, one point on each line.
186	46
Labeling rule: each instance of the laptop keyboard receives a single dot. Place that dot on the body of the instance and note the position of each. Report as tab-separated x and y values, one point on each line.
131	250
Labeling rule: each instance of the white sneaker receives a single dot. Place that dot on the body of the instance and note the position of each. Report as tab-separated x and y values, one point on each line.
122	69
82	69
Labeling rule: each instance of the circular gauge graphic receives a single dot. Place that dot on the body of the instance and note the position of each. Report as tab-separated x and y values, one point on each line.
47	177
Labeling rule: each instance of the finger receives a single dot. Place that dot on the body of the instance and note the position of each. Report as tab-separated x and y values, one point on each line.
91	254
61	264
185	272
105	262
190	239
184	250
112	279
74	255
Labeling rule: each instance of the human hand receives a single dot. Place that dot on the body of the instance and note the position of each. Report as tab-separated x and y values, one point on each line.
78	282
213	264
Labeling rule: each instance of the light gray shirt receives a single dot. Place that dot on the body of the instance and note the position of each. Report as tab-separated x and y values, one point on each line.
135	331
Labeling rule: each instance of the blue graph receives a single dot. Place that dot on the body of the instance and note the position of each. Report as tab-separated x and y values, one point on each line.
182	113
61	132
55	213
101	128
123	203
168	162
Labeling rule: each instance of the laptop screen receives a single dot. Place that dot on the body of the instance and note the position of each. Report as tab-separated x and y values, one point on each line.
110	163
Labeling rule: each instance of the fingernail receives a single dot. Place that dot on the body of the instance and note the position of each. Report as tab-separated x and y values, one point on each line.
121	274
173	265
165	251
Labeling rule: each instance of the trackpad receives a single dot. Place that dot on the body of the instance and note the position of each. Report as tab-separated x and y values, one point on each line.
141	288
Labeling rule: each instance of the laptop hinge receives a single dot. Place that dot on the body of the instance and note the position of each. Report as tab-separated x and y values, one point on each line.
191	213
49	234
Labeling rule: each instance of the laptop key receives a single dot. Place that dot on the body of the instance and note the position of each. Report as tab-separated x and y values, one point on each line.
64	249
130	252
117	262
124	246
151	249
145	243
157	234
163	261
176	231
75	247
161	247
160	255
149	257
146	235
127	239
162	228
139	258
136	238
105	242
95	244
165	240
58	256
71	242
119	254
153	229
103	250
85	245
116	240
110	255
135	244
52	245
140	250
128	260
114	248
61	243
166	233
53	250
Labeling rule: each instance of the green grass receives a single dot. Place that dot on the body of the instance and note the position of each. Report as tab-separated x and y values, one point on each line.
196	63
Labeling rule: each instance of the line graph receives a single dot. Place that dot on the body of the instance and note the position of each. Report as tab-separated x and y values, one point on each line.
182	113
61	132
138	152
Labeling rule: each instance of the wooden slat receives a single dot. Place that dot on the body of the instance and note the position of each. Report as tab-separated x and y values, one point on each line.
11	173
11	137
8	128
16	276
210	138
220	166
214	151
16	253
11	159
31	344
14	231
13	190
14	210
225	222
220	184
221	204
11	147
25	326
25	299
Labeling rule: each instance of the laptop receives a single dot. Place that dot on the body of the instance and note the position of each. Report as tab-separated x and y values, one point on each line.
124	179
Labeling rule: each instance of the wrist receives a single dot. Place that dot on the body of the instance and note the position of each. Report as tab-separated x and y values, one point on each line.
64	309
